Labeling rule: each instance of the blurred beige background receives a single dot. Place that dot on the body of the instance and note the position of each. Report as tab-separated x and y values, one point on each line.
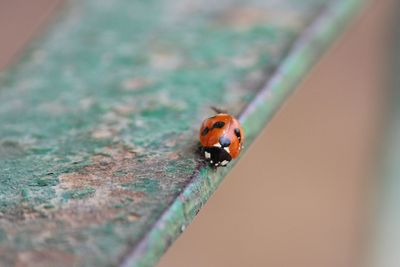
19	21
301	196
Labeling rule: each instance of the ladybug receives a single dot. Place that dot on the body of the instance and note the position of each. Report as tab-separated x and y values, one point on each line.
221	138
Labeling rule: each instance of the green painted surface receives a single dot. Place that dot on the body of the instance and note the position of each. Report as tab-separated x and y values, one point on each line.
99	119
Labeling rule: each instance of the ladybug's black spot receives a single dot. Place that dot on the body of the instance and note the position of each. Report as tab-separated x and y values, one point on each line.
224	141
219	124
205	131
237	133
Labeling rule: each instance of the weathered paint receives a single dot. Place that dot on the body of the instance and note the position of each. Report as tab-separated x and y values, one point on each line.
99	119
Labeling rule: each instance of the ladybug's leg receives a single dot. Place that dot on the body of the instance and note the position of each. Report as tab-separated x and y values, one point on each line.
218	110
224	163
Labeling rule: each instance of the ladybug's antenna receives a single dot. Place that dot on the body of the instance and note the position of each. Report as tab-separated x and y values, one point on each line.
218	110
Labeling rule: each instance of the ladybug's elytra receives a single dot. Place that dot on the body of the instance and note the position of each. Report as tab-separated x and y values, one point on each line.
221	138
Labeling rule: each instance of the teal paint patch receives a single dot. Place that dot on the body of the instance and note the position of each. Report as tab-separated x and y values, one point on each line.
144	185
78	194
45	181
3	235
99	119
25	193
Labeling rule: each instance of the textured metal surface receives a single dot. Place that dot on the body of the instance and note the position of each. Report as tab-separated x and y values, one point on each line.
98	120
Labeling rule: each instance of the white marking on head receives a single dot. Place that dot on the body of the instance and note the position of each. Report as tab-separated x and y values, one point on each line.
207	155
217	145
224	163
211	161
227	149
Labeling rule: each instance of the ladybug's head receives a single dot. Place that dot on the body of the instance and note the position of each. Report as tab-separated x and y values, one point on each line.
217	156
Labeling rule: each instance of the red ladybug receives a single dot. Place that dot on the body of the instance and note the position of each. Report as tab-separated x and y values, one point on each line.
221	138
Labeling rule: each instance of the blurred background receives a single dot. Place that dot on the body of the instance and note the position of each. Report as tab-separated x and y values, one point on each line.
313	201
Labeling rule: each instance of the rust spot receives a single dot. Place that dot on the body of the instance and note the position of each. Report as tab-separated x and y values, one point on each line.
166	60
22	213
135	84
103	133
45	258
81	215
133	217
245	17
76	180
120	152
110	169
124	109
105	166
123	179
7	256
173	156
111	124
120	192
